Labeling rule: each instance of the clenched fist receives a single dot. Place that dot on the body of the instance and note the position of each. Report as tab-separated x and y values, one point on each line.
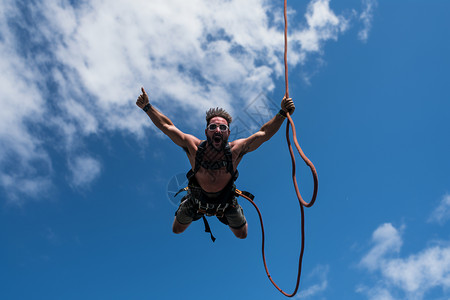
288	105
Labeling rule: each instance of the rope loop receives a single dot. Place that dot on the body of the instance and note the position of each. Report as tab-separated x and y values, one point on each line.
302	202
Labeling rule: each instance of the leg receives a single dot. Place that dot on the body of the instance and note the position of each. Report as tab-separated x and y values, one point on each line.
183	216
236	220
240	233
177	227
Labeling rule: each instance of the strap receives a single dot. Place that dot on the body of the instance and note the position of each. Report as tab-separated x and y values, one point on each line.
229	159
181	190
199	156
147	107
282	113
216	165
198	160
208	229
244	194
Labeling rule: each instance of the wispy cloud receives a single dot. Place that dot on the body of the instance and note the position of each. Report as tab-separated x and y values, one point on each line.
320	275
322	25
50	235
441	213
23	184
366	17
386	240
84	170
413	275
375	293
75	70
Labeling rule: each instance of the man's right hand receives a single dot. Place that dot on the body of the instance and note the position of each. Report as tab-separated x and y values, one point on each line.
142	100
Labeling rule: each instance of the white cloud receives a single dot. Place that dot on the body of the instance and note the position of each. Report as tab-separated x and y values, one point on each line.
22	106
76	70
320	274
441	214
366	17
24	184
413	275
322	25
84	170
420	272
386	240
376	293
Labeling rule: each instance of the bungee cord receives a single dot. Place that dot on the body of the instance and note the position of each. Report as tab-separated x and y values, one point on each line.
302	202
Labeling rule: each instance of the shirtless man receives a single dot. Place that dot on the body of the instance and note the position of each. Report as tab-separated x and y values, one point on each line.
214	164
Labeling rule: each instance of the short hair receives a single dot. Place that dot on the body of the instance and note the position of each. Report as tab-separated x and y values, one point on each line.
218	112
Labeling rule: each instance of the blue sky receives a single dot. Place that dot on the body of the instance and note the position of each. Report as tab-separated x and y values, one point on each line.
85	177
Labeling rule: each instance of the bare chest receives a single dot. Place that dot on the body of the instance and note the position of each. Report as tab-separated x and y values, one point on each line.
213	174
213	180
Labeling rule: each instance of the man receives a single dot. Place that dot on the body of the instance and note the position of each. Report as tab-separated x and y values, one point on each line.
214	164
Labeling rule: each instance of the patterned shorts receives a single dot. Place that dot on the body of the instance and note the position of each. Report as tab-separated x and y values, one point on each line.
187	212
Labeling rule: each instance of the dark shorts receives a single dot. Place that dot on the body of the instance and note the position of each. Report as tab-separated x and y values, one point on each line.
187	212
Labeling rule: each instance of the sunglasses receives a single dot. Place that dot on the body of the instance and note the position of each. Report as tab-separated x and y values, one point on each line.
213	127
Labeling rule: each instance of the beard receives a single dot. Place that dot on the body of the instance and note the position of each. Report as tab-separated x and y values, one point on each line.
217	141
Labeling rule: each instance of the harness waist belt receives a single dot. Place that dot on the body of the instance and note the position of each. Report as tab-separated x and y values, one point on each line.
211	209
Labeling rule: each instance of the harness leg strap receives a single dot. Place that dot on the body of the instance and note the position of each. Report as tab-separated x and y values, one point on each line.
208	229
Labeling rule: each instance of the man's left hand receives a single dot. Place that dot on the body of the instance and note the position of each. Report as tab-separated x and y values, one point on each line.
288	105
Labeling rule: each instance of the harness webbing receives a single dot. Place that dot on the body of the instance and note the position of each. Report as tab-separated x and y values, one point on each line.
299	197
207	228
199	162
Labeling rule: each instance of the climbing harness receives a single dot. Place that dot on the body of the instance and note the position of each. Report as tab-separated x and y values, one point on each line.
213	209
201	199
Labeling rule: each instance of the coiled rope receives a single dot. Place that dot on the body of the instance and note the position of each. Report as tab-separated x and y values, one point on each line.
299	197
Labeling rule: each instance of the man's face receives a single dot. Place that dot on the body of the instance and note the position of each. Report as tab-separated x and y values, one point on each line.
217	137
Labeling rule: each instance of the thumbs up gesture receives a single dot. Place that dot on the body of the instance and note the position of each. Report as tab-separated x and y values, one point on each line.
142	100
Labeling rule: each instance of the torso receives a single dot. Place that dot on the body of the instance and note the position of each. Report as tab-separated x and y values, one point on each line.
212	181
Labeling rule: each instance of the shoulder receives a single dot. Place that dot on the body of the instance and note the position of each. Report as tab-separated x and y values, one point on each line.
236	143
250	143
238	147
192	140
195	139
192	144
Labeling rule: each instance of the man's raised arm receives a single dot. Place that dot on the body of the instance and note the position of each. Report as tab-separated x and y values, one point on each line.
164	123
267	130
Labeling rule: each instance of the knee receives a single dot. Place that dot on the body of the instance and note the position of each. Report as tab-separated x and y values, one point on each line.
178	228
241	233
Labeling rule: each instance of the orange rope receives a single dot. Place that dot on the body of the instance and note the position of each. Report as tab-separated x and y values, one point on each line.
299	197
291	123
306	160
263	247
286	79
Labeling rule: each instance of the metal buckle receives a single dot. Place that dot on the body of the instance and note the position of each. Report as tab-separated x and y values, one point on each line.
205	209
209	209
220	211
